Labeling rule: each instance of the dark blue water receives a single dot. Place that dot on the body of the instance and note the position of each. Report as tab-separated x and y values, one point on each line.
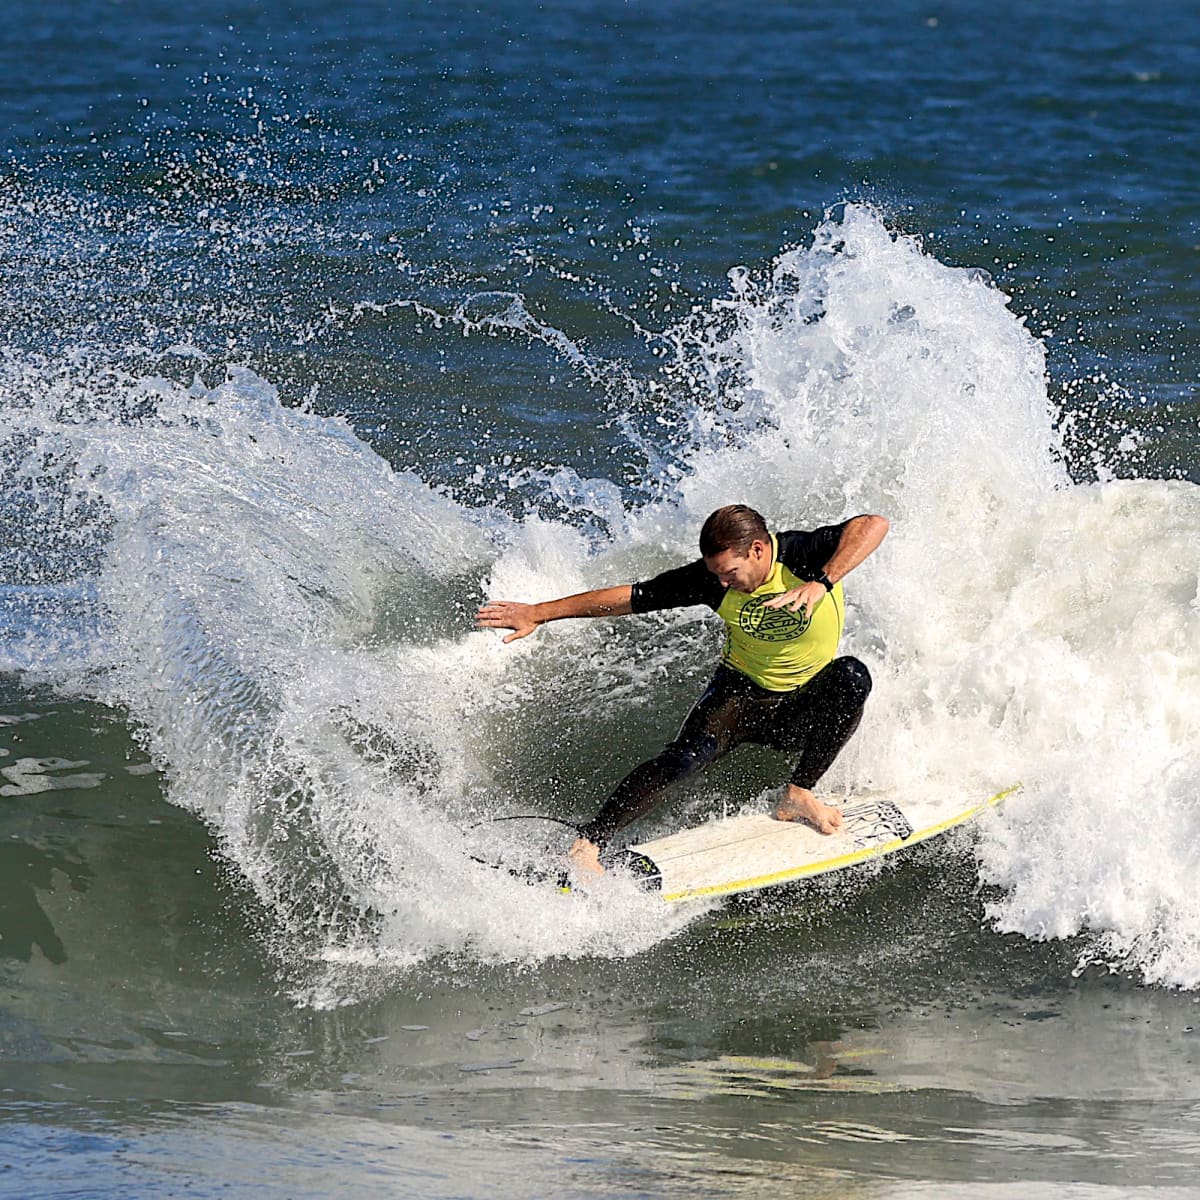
586	156
304	309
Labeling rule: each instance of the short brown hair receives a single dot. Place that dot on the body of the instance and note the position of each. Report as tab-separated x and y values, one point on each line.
733	527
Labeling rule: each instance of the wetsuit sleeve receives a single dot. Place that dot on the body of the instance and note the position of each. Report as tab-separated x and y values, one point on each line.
805	552
678	588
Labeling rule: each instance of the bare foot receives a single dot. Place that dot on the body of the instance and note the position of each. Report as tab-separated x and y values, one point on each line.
585	858
799	804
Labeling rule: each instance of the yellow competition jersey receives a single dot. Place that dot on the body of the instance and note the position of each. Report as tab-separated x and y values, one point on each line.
780	650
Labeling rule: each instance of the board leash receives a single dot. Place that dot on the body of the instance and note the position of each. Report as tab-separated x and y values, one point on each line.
643	869
530	875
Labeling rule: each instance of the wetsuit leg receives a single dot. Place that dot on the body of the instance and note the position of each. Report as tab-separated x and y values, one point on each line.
819	718
715	725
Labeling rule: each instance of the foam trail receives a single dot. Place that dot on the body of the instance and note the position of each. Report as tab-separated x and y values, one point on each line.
285	618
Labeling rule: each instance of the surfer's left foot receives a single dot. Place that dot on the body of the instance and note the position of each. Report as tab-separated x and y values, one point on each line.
799	804
585	858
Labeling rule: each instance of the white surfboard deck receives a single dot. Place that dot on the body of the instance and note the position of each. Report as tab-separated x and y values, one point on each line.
753	851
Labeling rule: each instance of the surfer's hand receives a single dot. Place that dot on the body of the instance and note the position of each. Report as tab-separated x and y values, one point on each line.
508	614
807	596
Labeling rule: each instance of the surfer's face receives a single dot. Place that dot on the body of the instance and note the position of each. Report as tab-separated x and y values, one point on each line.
742	572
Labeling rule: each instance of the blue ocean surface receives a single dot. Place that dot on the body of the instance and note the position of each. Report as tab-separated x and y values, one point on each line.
320	325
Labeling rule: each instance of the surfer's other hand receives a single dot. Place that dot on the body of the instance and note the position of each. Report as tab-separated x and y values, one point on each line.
807	596
507	614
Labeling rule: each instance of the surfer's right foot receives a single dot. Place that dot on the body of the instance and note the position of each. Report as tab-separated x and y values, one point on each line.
799	804
585	858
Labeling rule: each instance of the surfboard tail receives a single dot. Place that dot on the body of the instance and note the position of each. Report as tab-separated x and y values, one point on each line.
644	869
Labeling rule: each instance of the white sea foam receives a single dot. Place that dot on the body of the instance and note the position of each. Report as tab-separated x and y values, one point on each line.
287	619
1018	627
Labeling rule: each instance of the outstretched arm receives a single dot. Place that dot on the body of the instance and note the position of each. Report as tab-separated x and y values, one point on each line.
523	619
859	539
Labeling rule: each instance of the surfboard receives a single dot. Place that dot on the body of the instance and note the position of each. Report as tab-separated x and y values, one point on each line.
753	851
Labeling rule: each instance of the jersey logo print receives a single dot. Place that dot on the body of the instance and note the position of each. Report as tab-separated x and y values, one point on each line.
771	624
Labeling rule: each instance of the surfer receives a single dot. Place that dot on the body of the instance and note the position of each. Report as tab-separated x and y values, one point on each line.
779	682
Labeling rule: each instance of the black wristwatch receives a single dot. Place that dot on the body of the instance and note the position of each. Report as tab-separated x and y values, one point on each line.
823	578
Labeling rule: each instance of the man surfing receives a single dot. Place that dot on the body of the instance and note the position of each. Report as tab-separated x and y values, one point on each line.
778	684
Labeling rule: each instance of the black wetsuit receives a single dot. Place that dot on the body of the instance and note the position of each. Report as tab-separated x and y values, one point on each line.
816	718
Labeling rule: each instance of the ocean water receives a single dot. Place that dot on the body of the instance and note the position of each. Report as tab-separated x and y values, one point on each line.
318	327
